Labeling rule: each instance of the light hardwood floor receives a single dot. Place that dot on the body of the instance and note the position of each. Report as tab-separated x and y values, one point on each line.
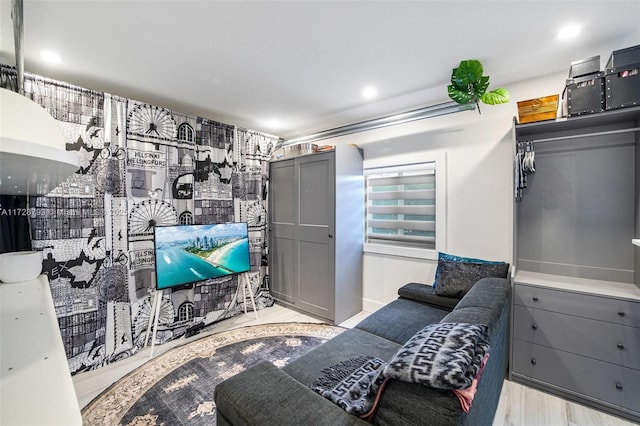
519	405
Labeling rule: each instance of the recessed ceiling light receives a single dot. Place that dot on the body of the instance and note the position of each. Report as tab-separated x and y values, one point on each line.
273	124
50	57
369	92
568	32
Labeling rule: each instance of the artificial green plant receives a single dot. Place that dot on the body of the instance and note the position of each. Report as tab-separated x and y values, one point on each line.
469	85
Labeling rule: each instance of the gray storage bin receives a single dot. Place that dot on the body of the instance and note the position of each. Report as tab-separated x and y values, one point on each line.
586	95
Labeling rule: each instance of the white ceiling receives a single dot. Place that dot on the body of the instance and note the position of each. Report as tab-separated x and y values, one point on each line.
304	63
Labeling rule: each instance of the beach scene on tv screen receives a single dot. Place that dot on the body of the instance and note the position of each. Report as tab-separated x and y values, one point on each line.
186	254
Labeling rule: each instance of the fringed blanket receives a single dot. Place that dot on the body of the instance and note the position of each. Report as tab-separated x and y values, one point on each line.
354	385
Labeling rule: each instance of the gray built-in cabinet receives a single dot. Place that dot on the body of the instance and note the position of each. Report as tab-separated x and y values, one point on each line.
576	306
316	231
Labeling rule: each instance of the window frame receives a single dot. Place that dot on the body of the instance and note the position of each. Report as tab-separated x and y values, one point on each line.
441	205
186	311
185	218
185	129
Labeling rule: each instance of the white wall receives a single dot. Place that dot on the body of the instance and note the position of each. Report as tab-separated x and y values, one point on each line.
479	151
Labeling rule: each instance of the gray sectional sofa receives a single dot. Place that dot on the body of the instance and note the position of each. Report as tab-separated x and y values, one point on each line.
267	395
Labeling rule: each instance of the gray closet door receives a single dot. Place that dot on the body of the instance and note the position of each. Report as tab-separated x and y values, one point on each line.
282	214
314	234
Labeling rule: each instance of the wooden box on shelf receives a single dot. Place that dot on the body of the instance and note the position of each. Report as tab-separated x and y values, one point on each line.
539	109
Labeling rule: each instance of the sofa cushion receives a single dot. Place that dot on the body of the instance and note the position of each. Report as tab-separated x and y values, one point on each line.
472	315
405	403
401	319
457	278
490	293
444	356
426	294
348	345
265	395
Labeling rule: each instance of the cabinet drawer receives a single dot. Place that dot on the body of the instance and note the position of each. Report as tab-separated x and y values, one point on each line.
613	343
589	377
602	308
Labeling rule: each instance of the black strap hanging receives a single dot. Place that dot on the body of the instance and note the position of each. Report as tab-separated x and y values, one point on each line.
524	164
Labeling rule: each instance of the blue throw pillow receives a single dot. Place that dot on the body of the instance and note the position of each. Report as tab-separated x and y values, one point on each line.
454	258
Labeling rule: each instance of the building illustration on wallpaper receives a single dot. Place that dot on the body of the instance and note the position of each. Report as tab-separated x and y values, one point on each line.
182	188
141	166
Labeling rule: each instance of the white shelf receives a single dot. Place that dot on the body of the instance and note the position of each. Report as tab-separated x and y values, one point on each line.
35	382
620	290
33	155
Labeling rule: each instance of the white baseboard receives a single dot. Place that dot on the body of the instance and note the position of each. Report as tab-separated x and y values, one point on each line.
371	305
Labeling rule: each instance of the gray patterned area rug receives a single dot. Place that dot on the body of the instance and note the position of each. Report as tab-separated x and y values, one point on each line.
176	388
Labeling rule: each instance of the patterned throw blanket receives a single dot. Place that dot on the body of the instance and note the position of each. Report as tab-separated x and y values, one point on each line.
444	356
354	385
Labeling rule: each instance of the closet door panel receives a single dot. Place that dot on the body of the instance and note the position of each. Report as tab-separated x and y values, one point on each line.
282	267
282	192
316	193
314	286
282	216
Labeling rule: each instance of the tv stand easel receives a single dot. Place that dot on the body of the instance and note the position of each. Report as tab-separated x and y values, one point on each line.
153	319
245	283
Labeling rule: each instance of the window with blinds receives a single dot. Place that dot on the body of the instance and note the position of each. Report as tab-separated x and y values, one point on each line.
401	205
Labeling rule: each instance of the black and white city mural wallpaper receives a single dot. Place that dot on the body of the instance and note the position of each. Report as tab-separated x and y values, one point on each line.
141	166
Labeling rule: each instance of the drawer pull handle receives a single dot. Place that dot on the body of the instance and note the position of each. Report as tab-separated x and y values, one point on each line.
535	298
620	346
620	313
619	386
533	361
534	326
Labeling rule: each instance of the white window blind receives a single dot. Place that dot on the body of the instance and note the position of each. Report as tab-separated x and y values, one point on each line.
401	205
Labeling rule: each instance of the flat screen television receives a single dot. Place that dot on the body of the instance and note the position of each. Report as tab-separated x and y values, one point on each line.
190	253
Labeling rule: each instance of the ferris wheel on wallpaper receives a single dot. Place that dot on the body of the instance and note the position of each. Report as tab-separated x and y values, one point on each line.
256	215
147	214
151	121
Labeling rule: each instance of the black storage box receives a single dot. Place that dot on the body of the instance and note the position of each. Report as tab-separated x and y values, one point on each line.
623	87
585	95
623	59
585	67
623	78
